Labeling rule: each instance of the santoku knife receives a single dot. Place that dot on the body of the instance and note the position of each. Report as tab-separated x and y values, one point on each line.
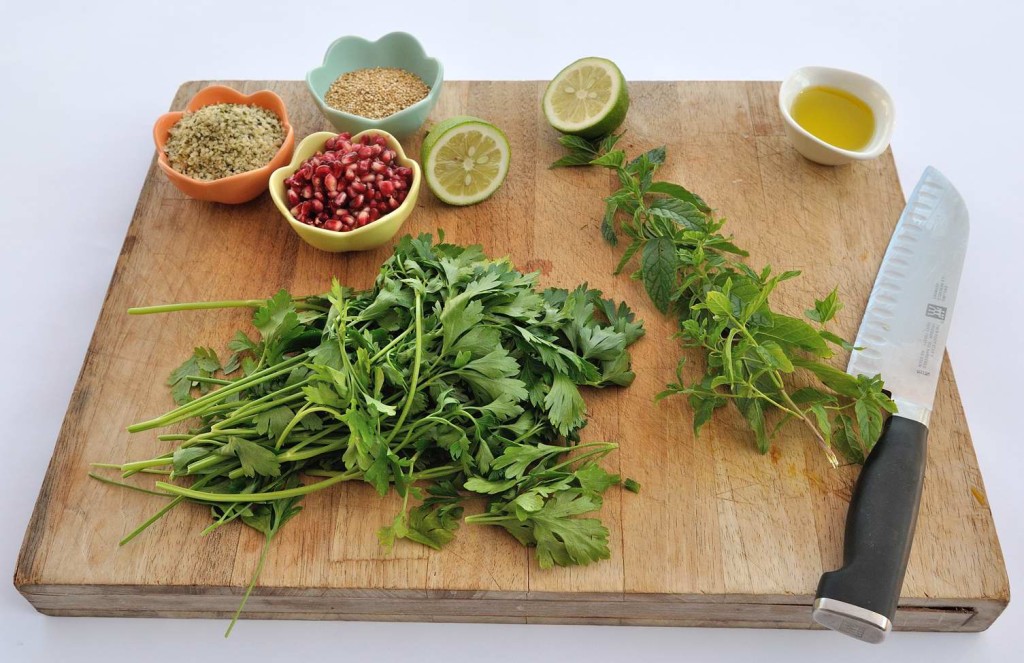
903	337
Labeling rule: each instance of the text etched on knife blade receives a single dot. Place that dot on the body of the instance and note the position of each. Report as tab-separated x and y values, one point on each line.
935	316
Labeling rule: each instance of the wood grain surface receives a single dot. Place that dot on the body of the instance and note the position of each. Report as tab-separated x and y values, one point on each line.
718	536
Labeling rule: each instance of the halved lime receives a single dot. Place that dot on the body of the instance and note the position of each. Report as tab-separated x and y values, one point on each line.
588	98
465	159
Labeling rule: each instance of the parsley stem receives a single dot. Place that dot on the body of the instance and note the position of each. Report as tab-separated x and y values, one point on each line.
230	513
438	377
327	430
305	410
417	360
204	380
423	475
162	512
122	484
605	449
252	583
487	518
115	466
416	424
260	405
231	303
152	519
135	467
383	351
206	462
202	496
436	472
196	306
323	473
192	408
305	454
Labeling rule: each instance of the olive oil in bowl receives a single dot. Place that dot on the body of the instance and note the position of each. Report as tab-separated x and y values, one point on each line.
834	116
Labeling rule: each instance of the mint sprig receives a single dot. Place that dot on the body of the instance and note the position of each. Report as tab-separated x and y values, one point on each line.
753	356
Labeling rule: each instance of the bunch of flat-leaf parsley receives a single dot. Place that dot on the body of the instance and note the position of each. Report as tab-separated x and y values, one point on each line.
455	375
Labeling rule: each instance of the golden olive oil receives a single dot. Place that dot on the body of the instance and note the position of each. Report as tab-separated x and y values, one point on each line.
835	116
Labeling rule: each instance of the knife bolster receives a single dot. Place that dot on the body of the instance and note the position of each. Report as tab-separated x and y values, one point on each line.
851	620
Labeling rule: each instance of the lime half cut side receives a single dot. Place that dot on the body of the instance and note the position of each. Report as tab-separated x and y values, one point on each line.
588	98
465	160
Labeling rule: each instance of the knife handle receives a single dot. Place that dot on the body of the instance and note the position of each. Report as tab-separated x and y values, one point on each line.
860	598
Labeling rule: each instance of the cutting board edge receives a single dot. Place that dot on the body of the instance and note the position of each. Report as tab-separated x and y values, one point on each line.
930	614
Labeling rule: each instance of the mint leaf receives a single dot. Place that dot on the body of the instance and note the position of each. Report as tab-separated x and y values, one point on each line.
608	142
571	160
654	157
608	223
613	159
796	332
577	144
681	213
825	309
718	303
838	381
679	193
658	265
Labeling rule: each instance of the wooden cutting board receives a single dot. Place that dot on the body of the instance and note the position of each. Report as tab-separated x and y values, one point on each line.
718	536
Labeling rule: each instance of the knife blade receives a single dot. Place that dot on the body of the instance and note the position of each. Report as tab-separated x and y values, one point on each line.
902	336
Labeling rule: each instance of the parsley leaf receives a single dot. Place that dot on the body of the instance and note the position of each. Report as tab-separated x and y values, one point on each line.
272	422
203	363
566	408
254	458
561	538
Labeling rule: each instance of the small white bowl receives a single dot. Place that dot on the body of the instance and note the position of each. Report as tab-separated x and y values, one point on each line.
862	87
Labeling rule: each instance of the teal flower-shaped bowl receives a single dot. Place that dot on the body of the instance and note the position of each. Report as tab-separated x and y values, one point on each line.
397	49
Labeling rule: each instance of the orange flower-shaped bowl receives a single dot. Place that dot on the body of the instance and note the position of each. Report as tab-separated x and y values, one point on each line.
235	189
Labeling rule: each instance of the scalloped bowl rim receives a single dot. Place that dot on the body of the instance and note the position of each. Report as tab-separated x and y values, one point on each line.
435	87
321	138
192	106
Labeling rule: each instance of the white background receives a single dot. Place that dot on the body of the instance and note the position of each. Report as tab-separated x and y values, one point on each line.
82	82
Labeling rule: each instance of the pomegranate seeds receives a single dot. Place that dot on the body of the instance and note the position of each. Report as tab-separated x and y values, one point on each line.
348	185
